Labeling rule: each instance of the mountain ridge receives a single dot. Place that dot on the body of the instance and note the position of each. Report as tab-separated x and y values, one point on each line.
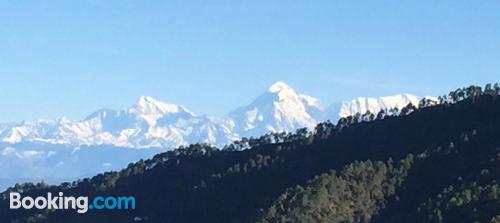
153	123
438	163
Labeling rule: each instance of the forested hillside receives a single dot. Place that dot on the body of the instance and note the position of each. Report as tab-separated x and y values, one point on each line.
438	163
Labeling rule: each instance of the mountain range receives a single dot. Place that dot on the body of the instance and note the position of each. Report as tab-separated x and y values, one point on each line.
437	163
152	123
61	150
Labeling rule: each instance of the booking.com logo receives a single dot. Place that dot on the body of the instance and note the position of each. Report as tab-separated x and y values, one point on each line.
80	204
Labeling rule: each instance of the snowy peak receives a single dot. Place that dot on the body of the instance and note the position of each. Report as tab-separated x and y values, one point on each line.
151	109
279	86
282	90
399	101
374	105
280	108
285	92
149	106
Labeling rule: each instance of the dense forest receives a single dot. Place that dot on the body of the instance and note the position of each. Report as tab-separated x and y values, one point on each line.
437	163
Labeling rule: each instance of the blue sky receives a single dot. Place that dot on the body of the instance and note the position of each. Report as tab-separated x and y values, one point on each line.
69	58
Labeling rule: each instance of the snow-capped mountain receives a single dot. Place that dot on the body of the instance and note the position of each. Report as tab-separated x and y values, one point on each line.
60	150
374	105
147	123
279	109
151	123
